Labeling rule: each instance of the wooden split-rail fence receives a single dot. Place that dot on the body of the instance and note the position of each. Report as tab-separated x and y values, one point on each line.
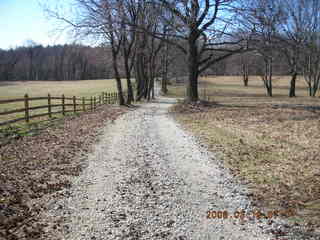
77	104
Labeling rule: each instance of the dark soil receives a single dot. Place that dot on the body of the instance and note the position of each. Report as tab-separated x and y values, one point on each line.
35	168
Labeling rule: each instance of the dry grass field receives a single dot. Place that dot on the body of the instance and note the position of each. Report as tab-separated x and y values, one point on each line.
83	88
270	143
232	86
56	88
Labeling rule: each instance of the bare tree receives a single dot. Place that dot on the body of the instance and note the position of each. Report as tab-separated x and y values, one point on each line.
244	68
311	68
310	63
287	28
292	36
262	19
166	56
126	12
147	47
97	19
202	31
164	70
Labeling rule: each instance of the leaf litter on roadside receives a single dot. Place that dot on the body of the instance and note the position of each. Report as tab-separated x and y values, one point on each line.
34	168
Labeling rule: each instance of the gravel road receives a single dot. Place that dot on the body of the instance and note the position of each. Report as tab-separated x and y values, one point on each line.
149	179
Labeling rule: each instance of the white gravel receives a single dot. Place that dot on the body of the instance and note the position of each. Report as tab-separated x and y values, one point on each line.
149	179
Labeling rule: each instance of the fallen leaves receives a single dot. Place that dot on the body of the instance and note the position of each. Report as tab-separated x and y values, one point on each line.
34	167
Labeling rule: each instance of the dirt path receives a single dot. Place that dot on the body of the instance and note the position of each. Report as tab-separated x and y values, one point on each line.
148	179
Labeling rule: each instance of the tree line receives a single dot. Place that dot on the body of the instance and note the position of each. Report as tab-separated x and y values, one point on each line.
78	62
60	62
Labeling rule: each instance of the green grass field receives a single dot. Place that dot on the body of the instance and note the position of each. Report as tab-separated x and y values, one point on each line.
83	88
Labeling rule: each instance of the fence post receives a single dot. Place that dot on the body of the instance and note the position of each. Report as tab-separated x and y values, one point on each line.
26	106
94	98
49	106
83	104
63	105
91	103
99	99
74	104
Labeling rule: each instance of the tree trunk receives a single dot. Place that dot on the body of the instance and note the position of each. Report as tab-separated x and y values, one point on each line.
150	86
120	93
164	79
130	91
140	77
192	87
245	74
315	87
164	88
245	80
150	77
117	77
152	93
268	76
292	92
146	87
129	84
310	89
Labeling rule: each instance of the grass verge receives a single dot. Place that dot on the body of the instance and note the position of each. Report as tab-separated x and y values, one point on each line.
270	143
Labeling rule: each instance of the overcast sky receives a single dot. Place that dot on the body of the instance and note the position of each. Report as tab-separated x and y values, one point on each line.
22	20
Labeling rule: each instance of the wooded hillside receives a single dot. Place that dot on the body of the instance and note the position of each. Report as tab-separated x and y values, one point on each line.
79	62
60	62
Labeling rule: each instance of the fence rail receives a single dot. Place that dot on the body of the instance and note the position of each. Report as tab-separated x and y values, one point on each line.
78	104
